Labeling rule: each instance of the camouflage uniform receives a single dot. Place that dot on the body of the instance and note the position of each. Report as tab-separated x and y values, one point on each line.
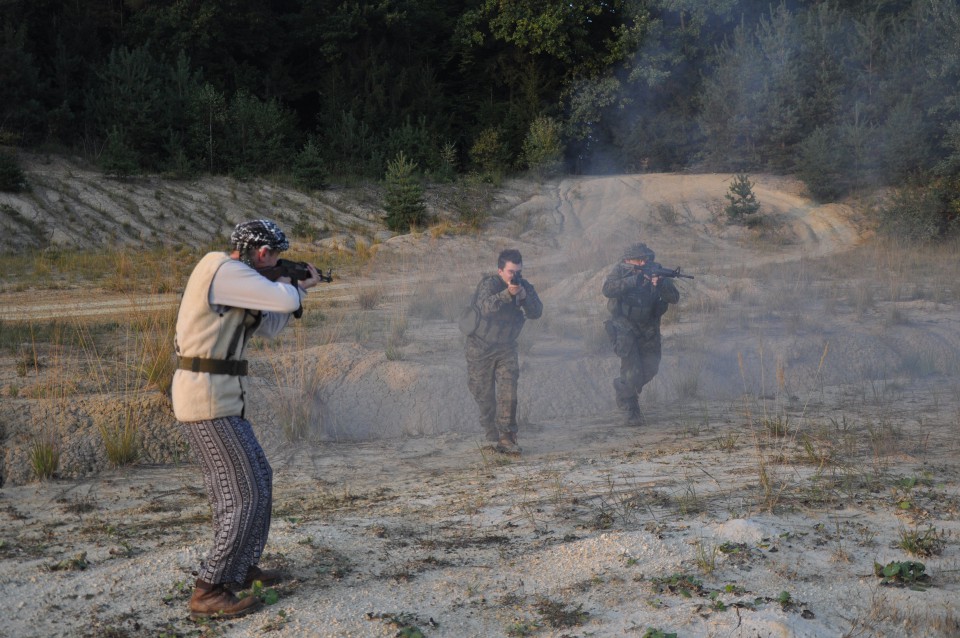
493	367
635	307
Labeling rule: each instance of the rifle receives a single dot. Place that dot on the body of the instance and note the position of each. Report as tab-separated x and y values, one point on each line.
656	270
295	270
516	280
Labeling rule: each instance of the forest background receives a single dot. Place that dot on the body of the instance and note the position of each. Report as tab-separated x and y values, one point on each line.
847	95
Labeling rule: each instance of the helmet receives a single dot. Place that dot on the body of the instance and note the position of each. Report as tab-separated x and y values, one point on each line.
638	251
256	233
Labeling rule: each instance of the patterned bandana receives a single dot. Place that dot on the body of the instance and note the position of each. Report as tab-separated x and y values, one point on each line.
260	232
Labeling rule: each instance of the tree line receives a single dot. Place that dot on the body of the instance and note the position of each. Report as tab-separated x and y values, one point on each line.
844	93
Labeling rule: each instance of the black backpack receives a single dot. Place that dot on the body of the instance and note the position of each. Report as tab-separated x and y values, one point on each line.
469	319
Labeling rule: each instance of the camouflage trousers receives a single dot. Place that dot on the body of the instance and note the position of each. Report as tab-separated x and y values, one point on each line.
492	375
639	361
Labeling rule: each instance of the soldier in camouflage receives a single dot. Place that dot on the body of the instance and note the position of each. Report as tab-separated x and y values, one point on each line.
505	301
636	302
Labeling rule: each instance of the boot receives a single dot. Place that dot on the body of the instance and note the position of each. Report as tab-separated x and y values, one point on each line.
634	417
508	444
267	578
625	396
631	412
214	600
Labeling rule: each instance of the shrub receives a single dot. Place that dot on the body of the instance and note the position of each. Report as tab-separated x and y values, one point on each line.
743	202
820	165
118	158
920	213
403	200
472	200
543	148
305	228
489	153
12	179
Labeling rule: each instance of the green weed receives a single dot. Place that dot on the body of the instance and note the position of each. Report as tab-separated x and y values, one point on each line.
902	574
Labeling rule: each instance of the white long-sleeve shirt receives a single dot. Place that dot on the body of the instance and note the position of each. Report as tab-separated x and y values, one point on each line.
237	285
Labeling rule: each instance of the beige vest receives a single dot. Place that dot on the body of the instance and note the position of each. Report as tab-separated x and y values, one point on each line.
204	332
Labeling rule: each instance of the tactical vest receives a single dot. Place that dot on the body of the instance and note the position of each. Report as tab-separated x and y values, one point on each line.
641	307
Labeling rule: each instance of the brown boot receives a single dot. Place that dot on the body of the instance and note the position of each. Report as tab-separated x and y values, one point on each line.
213	600
267	577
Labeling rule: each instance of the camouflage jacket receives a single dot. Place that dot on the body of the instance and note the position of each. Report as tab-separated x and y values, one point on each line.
501	315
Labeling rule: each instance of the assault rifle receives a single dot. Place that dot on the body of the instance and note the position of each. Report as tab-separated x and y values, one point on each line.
656	270
295	270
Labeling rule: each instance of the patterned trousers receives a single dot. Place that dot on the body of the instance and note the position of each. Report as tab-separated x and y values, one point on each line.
239	483
492	375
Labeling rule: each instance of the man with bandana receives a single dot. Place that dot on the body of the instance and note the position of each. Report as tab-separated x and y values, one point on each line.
504	300
636	302
224	303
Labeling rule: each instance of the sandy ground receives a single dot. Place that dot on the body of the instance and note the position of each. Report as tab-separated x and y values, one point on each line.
789	448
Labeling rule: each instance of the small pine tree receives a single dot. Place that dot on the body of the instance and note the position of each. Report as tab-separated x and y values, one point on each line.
821	164
118	159
404	197
308	167
743	202
447	168
12	179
